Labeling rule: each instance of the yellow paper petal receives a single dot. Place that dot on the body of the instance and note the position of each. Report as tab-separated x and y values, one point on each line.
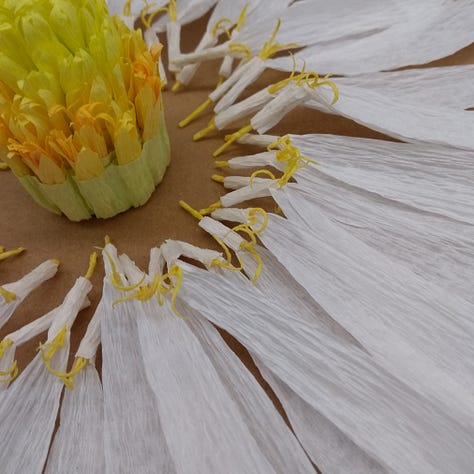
49	172
88	165
127	142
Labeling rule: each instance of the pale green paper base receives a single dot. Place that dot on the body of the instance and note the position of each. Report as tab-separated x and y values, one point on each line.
118	188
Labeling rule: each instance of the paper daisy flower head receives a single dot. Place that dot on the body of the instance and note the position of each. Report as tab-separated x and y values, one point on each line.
81	117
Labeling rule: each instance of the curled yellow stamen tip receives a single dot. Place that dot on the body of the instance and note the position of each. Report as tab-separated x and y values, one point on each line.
68	377
175	278
144	293
241	48
92	265
147	22
10	253
191	211
220	26
49	349
250	248
197	111
8	296
11	373
259	172
107	240
116	280
218	178
253	220
232	138
205	131
221	164
4	345
3	166
210	209
56	261
176	87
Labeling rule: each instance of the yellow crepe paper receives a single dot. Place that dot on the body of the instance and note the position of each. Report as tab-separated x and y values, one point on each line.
81	119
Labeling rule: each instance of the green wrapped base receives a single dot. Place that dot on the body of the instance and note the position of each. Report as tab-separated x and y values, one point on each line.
119	188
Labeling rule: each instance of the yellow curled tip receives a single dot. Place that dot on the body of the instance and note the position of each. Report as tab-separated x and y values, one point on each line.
4	345
177	86
218	178
92	265
107	240
56	261
3	166
191	210
11	373
8	296
252	213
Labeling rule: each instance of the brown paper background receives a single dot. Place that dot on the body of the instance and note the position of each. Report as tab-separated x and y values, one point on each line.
46	235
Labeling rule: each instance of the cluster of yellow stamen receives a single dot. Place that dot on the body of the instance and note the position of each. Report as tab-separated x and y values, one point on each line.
49	349
245	228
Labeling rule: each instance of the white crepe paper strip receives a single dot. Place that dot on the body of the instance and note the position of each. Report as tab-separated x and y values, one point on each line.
133	436
116	7
421	32
78	445
266	425
197	410
449	86
395	116
306	22
412	333
173	37
257	140
430	178
29	407
442	86
327	446
224	9
438	249
383	416
279	287
399	117
24	334
22	288
301	26
186	12
265	11
421	370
